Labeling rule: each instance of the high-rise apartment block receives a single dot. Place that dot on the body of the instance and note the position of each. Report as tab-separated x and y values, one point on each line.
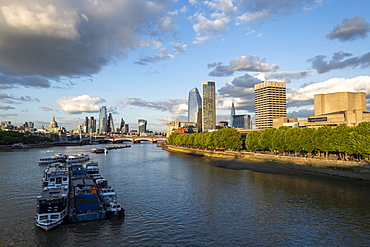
208	106
195	107
270	101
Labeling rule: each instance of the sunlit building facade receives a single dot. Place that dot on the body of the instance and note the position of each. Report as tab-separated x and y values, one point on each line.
195	107
270	101
208	106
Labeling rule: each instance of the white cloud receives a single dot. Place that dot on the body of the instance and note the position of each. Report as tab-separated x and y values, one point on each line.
243	63
49	20
79	104
333	85
252	63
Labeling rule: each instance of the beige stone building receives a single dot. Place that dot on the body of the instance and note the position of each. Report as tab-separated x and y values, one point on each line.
283	121
338	108
270	100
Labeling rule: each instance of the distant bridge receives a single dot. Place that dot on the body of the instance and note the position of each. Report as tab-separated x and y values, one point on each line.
135	139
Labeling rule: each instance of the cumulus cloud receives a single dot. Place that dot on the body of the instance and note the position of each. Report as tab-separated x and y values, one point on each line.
338	61
243	63
305	94
352	28
174	106
207	29
79	104
56	39
239	90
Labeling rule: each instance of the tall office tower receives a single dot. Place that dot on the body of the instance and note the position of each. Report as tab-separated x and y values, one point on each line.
110	125
92	125
232	115
126	129
122	125
85	126
195	107
270	100
103	120
208	106
142	125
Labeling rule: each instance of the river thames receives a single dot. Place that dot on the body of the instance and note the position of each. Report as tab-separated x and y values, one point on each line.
173	199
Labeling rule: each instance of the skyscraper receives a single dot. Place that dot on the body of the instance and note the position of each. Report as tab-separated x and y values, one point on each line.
142	125
232	115
195	107
110	125
270	100
208	106
122	125
103	120
92	125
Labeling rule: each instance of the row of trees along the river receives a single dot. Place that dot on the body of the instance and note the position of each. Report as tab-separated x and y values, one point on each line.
226	138
345	142
11	137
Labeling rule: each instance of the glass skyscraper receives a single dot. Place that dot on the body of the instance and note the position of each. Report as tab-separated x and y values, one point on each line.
110	125
142	125
195	107
208	106
103	119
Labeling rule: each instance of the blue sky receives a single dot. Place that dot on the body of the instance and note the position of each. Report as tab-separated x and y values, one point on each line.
141	58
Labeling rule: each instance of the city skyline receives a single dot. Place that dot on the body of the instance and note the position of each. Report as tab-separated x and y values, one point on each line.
140	59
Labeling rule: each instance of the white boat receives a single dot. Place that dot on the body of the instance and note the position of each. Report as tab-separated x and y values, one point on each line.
77	158
53	202
52	159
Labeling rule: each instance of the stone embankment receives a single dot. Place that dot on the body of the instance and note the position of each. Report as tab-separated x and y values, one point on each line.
343	169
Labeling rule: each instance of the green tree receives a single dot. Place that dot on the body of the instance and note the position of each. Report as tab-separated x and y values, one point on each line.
252	141
292	139
266	138
340	141
307	140
323	137
278	139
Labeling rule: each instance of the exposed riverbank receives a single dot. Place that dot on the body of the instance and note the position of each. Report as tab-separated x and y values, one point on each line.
266	163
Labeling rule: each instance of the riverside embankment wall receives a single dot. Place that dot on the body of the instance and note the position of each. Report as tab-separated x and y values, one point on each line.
345	169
